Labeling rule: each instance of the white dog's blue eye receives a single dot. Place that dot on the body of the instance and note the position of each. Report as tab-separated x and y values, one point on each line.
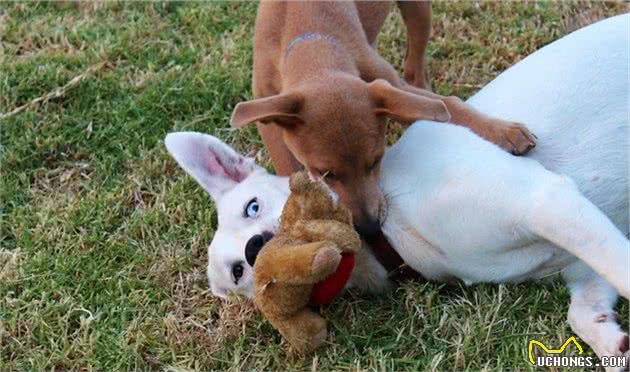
252	209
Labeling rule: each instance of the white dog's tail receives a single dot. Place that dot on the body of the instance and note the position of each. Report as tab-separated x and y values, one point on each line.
565	217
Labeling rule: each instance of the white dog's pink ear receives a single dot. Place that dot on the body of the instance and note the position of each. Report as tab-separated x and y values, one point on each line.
212	163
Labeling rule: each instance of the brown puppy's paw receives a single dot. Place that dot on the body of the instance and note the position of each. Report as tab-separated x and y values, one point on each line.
326	261
513	137
416	75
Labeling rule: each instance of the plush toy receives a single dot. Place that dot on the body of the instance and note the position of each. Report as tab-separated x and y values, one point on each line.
306	263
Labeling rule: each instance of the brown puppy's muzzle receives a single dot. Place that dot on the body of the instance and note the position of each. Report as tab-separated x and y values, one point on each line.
367	221
368	227
365	203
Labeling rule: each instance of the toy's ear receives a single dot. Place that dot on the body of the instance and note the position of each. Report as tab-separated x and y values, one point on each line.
299	181
282	109
403	106
213	164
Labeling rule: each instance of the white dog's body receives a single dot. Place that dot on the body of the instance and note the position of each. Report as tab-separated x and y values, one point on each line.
477	204
460	207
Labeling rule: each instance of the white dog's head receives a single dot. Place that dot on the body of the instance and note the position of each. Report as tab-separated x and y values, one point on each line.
249	201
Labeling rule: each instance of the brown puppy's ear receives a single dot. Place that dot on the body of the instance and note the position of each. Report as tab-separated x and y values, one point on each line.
282	109
403	106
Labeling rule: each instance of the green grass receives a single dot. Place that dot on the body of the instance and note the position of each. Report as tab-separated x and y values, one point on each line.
103	239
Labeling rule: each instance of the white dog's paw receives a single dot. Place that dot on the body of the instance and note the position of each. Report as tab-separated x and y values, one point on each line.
625	345
619	347
607	338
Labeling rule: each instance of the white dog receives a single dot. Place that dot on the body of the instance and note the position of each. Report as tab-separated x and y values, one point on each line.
460	207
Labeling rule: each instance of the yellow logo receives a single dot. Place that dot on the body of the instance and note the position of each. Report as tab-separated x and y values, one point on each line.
530	348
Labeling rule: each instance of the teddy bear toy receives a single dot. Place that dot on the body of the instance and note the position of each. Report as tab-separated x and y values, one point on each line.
306	263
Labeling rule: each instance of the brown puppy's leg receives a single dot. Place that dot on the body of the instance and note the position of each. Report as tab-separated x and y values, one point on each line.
511	136
417	18
265	83
372	15
283	161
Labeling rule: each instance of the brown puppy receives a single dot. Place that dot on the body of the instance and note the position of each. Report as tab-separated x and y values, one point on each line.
323	94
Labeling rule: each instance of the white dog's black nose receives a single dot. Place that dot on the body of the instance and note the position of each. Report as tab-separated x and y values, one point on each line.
254	245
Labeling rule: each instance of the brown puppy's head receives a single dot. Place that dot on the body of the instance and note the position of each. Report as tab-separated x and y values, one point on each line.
335	127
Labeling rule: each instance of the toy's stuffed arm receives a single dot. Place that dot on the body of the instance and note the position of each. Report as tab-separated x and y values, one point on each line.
307	263
341	234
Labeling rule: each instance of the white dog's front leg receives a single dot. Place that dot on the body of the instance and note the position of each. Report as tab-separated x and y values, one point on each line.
563	216
368	274
591	314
